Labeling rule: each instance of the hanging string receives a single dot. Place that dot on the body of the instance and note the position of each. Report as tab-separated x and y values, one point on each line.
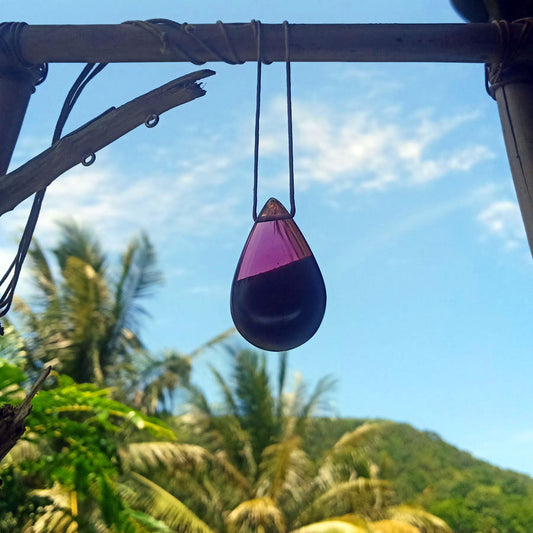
87	74
256	25
289	119
257	30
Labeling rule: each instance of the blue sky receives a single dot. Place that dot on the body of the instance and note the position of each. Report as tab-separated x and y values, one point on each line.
403	192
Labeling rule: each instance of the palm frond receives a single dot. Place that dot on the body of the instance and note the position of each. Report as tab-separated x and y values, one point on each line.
285	468
198	402
424	521
40	336
344	464
59	515
349	523
22	451
139	522
299	409
139	275
53	519
42	273
146	456
358	495
360	435
324	385
232	472
87	296
259	514
77	241
229	401
171	457
254	400
162	505
393	526
213	342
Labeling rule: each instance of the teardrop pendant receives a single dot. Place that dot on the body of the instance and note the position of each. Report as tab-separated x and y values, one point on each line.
278	296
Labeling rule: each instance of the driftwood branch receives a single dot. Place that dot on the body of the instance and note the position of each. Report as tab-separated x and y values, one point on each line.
459	43
78	145
13	419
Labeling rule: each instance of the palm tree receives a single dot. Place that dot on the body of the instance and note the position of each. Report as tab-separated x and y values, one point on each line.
86	318
160	377
248	470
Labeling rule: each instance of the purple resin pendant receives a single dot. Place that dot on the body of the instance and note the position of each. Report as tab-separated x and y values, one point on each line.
278	296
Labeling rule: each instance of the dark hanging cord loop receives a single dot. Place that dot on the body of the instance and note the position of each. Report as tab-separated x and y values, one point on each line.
6	299
256	25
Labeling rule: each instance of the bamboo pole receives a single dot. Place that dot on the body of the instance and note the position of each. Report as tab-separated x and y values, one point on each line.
131	42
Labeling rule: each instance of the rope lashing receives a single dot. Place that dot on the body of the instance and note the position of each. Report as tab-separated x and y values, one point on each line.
159	29
16	64
509	49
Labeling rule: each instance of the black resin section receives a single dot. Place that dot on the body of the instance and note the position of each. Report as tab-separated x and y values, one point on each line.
280	309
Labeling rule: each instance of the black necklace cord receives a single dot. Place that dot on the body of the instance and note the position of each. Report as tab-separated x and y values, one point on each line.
289	119
256	25
87	74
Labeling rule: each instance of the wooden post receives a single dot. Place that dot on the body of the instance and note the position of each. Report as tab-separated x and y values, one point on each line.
15	91
515	105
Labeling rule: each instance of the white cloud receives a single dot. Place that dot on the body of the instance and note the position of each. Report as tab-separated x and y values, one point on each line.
186	200
370	150
501	219
194	190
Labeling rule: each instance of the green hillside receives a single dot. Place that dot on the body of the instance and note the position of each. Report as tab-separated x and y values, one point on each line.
471	495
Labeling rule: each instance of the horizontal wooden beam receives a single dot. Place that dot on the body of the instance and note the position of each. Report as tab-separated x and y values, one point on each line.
78	146
135	42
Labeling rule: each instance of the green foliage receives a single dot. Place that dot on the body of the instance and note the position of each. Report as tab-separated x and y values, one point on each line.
470	495
66	468
10	379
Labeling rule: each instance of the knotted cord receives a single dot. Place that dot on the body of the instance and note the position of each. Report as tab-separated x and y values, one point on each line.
508	52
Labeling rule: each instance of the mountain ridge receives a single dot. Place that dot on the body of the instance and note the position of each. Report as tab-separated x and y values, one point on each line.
470	494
